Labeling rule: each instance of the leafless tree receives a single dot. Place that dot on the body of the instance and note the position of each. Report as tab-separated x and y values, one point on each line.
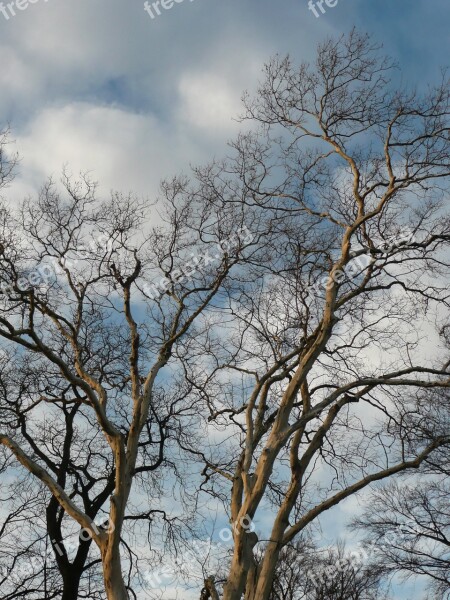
36	543
91	405
315	385
287	361
305	572
408	525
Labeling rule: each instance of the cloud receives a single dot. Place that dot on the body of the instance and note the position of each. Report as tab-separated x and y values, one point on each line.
122	150
208	102
102	87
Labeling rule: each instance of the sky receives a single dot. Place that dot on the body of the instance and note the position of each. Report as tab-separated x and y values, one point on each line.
101	86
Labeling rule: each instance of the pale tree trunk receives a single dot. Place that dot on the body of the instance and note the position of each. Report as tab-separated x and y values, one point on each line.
261	588
115	587
250	585
209	591
235	584
258	580
242	566
112	574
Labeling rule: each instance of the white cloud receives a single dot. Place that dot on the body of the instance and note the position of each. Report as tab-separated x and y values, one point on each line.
208	102
122	150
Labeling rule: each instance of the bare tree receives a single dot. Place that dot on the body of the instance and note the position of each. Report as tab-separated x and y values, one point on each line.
408	525
43	549
315	381
305	572
273	311
91	405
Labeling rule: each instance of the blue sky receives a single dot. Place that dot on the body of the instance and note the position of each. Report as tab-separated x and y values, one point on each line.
101	86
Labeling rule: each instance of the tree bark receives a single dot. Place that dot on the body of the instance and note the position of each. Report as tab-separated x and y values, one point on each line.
263	585
71	586
209	591
242	564
115	587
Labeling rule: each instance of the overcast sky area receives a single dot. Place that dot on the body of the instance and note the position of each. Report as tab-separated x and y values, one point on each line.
102	87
